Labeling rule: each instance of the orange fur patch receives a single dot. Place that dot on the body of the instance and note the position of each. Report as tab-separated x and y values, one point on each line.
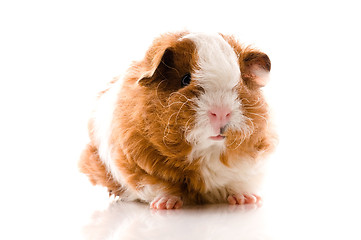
91	165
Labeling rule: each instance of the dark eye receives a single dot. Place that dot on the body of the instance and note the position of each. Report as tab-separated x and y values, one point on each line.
186	80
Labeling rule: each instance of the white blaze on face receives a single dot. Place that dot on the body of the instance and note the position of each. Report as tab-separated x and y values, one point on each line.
218	74
218	63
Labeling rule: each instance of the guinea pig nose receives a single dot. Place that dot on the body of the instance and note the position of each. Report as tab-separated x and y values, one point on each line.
219	116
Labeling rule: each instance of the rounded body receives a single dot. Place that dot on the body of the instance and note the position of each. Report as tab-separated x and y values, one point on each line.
187	124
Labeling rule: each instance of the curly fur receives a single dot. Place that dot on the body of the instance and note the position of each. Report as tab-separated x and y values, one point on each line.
149	134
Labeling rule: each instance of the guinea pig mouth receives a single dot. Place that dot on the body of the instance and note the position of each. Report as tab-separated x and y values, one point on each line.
217	138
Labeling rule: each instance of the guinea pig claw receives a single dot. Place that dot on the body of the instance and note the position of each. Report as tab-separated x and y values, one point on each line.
169	202
240	199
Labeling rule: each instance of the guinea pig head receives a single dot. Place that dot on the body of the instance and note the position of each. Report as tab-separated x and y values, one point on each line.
204	92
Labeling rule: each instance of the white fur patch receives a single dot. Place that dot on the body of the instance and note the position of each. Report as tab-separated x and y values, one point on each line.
218	63
199	135
220	180
103	117
218	74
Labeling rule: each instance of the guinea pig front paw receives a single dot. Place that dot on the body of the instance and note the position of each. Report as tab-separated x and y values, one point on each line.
245	198
168	202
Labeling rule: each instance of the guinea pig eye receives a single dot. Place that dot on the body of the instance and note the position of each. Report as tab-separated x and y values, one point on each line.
186	80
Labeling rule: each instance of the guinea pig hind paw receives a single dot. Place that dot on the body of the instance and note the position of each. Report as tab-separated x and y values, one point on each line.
169	202
245	198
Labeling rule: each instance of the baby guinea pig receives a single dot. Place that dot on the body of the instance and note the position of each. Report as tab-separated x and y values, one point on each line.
186	125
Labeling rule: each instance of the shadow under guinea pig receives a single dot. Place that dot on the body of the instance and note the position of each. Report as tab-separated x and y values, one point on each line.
134	220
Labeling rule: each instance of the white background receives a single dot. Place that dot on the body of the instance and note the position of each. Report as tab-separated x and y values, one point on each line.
56	55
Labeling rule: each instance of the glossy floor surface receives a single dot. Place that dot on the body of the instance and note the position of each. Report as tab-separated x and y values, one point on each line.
297	220
204	222
77	210
137	221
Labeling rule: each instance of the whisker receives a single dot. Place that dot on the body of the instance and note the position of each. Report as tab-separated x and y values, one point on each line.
171	68
168	124
180	109
252	106
156	92
175	103
235	139
187	126
242	139
250	120
182	95
249	103
259	115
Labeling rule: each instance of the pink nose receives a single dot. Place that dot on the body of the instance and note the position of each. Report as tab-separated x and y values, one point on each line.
219	117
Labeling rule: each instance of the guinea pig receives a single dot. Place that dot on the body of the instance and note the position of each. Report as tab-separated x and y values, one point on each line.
188	124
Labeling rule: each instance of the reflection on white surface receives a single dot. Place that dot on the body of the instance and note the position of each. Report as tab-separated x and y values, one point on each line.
124	220
291	210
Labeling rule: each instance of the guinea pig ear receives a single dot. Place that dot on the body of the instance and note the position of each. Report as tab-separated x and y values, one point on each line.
255	68
155	64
